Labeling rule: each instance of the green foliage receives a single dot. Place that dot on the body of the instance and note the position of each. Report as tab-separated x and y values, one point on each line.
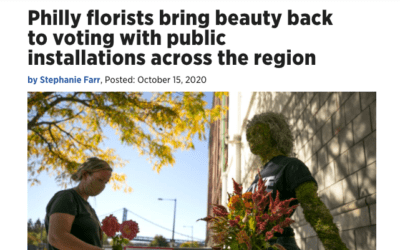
34	238
64	129
190	244
318	215
38	226
269	135
279	131
159	241
261	142
105	239
30	225
119	240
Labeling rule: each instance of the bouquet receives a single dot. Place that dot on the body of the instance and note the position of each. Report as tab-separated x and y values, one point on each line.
128	229
248	225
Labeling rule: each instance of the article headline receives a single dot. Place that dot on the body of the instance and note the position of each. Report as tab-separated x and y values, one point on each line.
200	35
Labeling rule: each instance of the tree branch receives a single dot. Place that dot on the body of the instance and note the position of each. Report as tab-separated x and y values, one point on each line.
71	136
44	139
60	121
33	122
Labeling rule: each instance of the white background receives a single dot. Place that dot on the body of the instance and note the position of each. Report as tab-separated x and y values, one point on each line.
359	52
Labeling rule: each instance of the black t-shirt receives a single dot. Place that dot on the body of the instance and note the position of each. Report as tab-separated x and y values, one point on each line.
86	225
285	175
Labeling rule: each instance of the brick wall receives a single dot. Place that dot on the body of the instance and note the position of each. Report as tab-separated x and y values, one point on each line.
214	166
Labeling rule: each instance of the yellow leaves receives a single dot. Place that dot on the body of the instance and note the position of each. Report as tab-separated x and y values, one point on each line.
63	134
34	182
118	181
128	189
118	177
252	223
221	94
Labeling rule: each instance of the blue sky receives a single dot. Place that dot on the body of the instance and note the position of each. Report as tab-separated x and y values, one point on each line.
186	181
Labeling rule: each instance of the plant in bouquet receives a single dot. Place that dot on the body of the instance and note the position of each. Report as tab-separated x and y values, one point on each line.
128	229
252	219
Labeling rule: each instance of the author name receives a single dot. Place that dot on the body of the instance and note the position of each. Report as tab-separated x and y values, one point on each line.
55	80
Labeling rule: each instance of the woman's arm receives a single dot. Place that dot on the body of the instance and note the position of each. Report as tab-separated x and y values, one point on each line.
318	215
60	237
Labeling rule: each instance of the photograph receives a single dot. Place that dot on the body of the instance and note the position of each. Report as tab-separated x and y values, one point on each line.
251	170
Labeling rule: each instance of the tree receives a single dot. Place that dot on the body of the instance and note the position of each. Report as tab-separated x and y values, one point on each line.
64	129
38	226
30	225
37	236
33	239
190	244
159	241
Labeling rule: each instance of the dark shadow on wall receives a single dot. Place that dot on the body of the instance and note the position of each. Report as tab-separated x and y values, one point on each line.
335	136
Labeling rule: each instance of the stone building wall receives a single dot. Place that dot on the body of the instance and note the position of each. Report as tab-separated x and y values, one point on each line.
335	136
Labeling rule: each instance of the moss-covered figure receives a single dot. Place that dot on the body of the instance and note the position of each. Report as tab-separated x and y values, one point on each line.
269	136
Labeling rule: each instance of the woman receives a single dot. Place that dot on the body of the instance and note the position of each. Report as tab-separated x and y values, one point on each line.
71	223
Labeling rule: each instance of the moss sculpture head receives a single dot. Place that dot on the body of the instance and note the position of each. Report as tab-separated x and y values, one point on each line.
269	135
